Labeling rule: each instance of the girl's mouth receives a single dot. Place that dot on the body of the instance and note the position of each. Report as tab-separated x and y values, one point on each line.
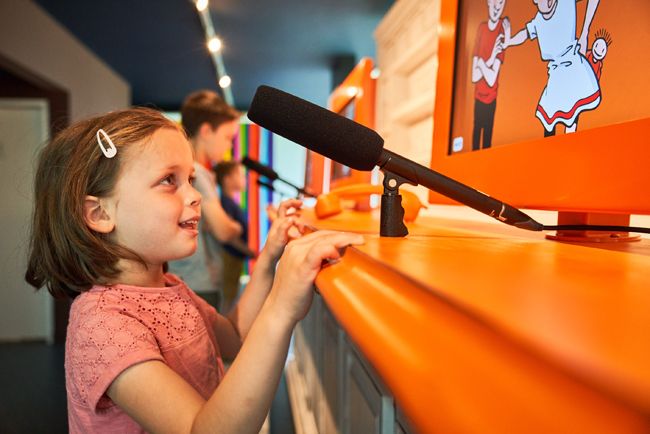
189	224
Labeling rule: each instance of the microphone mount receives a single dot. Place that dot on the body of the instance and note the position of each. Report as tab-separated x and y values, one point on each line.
400	170
392	213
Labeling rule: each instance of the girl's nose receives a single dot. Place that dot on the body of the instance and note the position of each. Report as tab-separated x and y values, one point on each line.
194	197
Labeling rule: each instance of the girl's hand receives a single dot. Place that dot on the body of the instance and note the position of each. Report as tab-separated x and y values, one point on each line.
287	225
507	28
496	50
292	291
582	42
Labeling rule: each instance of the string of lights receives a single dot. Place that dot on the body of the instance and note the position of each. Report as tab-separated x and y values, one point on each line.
214	45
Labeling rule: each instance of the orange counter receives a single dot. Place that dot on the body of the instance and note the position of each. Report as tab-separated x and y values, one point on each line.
487	328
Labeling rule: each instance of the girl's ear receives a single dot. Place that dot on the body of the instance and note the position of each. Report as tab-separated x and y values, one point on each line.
96	218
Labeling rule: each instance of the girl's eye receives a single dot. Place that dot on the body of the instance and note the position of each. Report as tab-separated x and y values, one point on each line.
168	180
192	179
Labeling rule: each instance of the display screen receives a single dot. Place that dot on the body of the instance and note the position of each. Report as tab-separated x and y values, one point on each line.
541	81
309	168
340	171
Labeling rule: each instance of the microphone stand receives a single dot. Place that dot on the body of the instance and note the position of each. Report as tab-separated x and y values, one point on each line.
391	222
271	188
399	170
298	189
266	184
270	174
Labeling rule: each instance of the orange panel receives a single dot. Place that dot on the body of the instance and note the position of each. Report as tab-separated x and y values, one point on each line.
600	170
476	329
253	193
314	172
357	86
360	88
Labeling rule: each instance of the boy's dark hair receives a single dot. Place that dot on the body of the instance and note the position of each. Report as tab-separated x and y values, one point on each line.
225	168
205	106
64	254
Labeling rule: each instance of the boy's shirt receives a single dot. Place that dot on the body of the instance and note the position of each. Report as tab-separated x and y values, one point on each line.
233	210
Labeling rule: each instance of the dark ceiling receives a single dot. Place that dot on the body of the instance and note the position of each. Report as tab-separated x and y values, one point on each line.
158	46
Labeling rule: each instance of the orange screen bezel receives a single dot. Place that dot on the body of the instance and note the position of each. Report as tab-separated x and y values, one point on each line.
364	87
602	170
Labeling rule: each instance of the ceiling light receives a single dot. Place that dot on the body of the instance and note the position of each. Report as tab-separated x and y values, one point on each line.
201	4
214	44
224	81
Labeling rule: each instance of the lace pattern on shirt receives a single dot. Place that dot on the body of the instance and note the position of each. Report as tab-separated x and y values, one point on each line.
108	324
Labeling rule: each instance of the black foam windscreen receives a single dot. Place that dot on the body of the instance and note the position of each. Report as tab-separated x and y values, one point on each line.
316	128
259	168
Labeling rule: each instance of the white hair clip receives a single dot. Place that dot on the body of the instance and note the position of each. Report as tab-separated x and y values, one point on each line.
112	150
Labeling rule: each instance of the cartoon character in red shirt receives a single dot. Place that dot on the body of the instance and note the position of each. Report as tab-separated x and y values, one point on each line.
487	58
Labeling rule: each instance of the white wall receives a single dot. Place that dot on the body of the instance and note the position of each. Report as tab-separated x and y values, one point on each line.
32	39
289	162
24	313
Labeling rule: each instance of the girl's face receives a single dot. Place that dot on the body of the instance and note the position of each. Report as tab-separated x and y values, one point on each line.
545	6
221	140
155	208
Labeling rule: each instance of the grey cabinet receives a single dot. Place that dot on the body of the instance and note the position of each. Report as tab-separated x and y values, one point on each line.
335	389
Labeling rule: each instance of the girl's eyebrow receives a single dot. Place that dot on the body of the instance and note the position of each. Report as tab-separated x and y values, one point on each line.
165	170
171	167
175	167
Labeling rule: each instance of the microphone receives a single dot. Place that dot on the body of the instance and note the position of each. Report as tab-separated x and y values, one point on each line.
266	185
361	148
258	167
269	173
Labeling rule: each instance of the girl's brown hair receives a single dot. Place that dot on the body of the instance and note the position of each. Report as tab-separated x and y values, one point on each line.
65	255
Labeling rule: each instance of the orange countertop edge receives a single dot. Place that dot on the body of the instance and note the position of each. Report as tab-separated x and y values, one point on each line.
478	331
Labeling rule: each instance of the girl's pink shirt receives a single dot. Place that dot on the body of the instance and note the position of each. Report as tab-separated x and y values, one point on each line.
113	328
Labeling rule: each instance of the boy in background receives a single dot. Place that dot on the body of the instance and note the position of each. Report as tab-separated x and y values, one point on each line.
231	179
211	126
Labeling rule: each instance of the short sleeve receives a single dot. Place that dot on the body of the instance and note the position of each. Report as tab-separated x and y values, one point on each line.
204	183
532	30
208	314
207	311
100	349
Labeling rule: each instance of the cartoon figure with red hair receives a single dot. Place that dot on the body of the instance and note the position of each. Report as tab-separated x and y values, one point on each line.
598	51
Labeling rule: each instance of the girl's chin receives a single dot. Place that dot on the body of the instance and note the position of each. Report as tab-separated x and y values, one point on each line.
189	252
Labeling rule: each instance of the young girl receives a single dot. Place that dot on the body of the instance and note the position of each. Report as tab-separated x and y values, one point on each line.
114	203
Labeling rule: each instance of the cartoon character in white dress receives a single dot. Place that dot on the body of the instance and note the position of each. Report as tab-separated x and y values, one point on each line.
572	85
